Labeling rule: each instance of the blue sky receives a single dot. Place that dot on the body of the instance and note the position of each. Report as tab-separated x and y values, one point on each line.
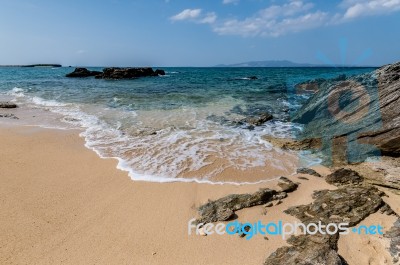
198	32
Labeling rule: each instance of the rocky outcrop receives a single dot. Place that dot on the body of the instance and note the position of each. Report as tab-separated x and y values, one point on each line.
116	73
308	250
292	144
258	120
7	105
224	208
343	177
308	171
394	235
313	86
83	72
364	110
8	115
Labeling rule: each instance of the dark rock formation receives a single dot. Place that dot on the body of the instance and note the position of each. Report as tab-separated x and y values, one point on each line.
287	185
344	176
348	204
128	73
159	72
364	110
117	73
292	144
223	209
8	115
394	235
8	105
83	72
307	250
252	77
308	171
258	119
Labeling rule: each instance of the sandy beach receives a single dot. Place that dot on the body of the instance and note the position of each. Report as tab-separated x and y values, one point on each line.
62	204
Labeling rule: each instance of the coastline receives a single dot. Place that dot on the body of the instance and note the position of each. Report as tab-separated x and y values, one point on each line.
62	203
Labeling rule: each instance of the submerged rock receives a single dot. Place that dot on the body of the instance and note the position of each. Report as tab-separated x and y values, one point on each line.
8	105
344	176
8	115
258	119
292	144
83	72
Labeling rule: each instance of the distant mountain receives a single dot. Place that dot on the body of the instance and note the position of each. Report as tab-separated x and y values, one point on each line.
279	63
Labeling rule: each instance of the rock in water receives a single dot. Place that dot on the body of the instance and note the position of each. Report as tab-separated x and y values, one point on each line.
83	72
7	105
364	110
259	119
127	73
344	176
159	72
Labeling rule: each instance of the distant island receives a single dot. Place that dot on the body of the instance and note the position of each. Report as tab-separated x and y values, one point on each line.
33	65
281	63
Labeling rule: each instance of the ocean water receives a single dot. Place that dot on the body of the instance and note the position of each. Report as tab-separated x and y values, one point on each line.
179	127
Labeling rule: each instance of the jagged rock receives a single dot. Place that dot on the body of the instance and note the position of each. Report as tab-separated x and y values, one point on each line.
291	144
83	72
307	250
8	115
384	172
364	109
258	119
8	105
287	185
347	204
308	171
159	72
223	209
344	176
127	73
394	235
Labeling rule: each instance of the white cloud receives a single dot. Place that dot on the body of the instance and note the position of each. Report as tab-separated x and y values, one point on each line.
225	2
289	17
359	8
195	15
187	14
275	20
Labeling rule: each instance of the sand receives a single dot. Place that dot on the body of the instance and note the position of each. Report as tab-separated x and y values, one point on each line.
61	203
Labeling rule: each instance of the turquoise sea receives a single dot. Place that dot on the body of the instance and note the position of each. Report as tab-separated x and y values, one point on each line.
178	127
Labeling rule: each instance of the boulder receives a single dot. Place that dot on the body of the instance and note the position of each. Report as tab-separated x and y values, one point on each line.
308	171
364	110
8	105
127	73
83	72
344	176
287	185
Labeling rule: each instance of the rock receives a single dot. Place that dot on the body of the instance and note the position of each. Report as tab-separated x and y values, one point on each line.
296	145
127	73
83	72
348	204
344	176
364	109
159	72
269	204
7	105
252	77
258	119
303	178
394	235
311	86
307	250
8	115
223	209
287	185
308	171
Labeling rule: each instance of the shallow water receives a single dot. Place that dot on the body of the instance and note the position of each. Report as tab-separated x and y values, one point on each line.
176	127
